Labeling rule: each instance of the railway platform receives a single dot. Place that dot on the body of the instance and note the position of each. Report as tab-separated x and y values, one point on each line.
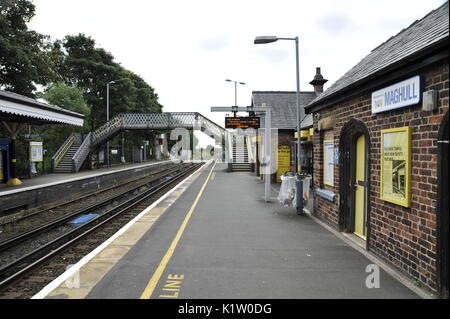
53	187
214	236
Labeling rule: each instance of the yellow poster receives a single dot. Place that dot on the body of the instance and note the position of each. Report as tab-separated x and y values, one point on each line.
396	165
284	160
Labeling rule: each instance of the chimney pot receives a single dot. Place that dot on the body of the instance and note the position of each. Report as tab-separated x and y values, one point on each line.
318	81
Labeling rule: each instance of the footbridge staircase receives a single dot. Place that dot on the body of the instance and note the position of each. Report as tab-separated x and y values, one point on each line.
74	151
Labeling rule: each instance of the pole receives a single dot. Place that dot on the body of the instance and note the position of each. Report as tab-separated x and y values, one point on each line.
235	96
123	148
268	160
107	120
299	182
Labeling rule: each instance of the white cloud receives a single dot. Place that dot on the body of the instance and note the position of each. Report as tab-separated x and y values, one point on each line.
186	49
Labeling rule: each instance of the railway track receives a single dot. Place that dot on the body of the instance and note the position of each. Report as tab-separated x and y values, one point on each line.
111	218
65	215
39	213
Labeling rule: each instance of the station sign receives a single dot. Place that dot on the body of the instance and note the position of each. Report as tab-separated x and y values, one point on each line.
401	94
36	152
242	122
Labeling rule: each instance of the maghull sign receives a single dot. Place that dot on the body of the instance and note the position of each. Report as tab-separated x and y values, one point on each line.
242	122
401	94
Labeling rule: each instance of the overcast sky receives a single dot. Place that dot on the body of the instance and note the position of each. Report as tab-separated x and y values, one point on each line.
186	49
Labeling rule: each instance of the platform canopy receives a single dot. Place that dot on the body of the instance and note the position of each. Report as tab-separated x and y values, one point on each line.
21	109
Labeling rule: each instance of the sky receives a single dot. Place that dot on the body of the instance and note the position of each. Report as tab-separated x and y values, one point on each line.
186	49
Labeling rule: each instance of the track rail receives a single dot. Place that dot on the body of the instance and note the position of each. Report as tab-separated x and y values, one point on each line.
10	242
26	263
59	205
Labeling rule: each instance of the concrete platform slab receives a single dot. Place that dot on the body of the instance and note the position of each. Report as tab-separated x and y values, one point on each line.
235	245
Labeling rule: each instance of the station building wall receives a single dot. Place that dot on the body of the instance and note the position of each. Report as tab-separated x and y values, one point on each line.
405	237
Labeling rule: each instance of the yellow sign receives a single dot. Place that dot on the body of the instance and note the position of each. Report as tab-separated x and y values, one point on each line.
284	160
396	165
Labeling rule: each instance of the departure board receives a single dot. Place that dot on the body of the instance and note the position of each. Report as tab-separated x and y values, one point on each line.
242	122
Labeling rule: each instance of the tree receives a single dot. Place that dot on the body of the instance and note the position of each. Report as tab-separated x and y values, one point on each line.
70	98
24	61
79	62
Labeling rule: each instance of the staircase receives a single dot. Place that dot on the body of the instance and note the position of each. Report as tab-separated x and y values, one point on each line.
65	164
240	156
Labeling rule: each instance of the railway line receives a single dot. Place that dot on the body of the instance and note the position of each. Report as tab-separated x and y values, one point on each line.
23	257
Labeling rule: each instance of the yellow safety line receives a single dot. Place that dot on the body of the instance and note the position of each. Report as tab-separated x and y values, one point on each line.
162	265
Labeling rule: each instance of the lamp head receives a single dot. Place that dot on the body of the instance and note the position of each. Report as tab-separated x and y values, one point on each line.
265	39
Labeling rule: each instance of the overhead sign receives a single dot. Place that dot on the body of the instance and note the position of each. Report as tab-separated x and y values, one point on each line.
242	122
401	94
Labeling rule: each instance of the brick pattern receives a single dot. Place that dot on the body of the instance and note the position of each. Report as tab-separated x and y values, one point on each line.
406	237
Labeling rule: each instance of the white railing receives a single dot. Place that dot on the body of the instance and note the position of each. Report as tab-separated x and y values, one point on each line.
62	151
81	154
161	121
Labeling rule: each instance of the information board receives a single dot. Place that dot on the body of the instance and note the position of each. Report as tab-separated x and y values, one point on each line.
396	165
284	159
36	152
328	159
242	122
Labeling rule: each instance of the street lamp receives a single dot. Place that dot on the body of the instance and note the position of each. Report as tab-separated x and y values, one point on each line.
299	182
107	119
235	91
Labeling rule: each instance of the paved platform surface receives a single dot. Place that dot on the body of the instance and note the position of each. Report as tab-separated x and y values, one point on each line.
233	246
53	178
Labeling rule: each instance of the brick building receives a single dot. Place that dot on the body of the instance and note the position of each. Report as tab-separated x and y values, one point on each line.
381	151
284	117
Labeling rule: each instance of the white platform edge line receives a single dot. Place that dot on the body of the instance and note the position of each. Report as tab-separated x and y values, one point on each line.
72	270
25	189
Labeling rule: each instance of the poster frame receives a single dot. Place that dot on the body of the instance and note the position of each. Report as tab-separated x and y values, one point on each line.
325	181
407	201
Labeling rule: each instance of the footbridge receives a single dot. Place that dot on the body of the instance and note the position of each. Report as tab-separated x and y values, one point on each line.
74	151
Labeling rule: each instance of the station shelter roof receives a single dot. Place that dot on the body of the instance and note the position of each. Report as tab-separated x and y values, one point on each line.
18	108
284	107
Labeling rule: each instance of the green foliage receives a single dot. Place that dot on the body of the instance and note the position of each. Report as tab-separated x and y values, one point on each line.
79	62
24	61
68	97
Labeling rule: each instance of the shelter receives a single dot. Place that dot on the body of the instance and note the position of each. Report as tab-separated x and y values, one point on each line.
16	113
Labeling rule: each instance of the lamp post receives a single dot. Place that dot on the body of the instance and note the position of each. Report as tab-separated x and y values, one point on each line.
107	120
299	182
235	91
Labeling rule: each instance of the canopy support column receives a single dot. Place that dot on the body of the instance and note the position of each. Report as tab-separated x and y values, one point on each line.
13	129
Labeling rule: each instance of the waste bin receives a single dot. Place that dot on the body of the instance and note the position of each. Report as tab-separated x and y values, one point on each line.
287	194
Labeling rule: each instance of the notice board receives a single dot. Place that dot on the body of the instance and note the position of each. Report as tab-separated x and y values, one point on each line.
328	162
396	165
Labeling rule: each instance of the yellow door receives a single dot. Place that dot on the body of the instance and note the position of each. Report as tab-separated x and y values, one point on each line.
360	207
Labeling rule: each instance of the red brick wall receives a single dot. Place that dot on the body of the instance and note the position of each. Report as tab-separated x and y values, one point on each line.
406	237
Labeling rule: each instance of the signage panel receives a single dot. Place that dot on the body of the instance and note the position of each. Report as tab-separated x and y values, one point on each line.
396	165
328	158
36	152
398	95
242	122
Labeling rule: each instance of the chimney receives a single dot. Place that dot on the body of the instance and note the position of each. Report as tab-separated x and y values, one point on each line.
318	82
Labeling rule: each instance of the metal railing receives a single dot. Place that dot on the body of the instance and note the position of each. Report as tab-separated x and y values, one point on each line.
105	131
81	154
156	121
62	150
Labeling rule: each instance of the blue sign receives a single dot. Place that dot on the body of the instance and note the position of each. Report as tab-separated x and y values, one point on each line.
401	94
